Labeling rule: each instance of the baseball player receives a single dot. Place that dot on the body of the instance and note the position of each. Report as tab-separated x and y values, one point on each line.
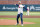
20	12
27	11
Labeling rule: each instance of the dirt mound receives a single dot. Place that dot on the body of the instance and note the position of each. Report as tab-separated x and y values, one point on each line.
12	22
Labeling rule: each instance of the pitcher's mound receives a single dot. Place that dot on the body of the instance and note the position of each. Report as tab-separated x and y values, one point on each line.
12	22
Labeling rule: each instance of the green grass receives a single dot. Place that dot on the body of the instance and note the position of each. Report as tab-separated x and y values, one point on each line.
33	13
8	13
35	20
27	25
15	13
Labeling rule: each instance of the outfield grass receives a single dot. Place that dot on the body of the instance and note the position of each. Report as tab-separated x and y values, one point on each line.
35	20
15	13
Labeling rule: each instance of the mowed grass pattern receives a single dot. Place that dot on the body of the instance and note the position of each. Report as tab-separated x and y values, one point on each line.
15	13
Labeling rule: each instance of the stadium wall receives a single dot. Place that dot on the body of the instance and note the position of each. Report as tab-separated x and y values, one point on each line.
14	7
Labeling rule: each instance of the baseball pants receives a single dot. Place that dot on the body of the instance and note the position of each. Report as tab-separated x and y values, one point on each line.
20	15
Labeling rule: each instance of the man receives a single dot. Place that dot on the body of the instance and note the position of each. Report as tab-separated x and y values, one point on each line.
20	12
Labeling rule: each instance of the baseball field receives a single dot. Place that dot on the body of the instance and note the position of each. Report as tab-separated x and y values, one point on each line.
8	19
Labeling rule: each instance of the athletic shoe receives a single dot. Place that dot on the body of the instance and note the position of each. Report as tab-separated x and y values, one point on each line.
21	24
17	24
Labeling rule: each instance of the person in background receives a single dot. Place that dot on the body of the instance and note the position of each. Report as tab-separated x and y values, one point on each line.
27	11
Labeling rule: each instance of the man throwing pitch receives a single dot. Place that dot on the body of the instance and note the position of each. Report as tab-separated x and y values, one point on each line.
20	12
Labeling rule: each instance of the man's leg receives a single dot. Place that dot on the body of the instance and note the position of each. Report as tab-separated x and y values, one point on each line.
21	15
28	13
18	18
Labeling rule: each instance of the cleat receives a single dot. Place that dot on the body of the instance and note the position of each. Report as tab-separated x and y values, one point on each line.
17	24
21	24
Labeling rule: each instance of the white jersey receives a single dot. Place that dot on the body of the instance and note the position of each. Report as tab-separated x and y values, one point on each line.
20	9
27	8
